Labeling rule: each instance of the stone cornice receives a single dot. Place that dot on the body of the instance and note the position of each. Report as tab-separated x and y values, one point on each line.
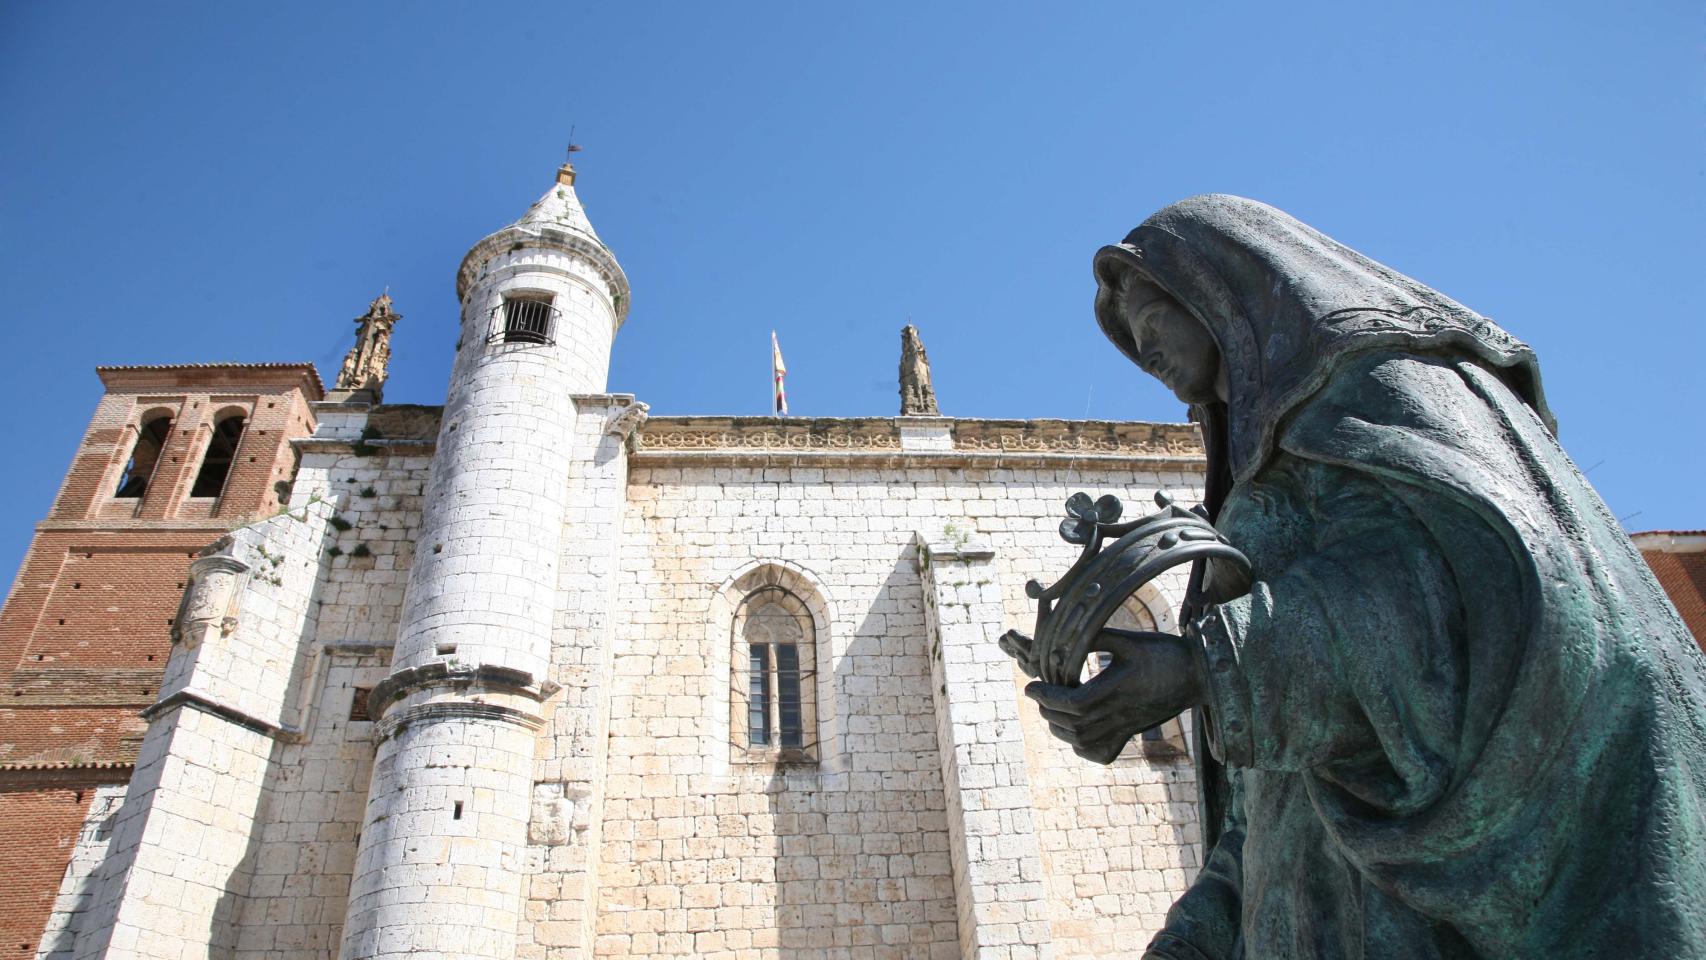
439	673
217	377
364	447
661	440
665	439
196	700
543	236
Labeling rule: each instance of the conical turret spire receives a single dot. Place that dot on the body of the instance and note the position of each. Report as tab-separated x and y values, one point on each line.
560	207
555	221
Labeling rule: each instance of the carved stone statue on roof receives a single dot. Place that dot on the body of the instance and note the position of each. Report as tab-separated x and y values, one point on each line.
917	396
365	366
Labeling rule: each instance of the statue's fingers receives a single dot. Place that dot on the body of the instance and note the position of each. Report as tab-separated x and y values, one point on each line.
1123	644
1116	726
1102	753
1063	699
1126	646
1071	721
1065	734
1022	649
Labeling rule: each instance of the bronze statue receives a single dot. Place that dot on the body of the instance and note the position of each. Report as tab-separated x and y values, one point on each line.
1451	715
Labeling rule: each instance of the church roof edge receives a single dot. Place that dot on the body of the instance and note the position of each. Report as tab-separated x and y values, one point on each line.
114	374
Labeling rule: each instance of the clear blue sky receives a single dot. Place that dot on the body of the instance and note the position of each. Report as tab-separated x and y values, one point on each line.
234	181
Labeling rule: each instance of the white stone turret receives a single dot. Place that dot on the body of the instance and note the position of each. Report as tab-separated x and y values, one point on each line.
438	872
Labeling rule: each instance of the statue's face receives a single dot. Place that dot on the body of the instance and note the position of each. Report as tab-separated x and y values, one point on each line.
1171	345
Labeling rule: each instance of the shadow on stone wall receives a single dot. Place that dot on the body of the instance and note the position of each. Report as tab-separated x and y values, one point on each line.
862	867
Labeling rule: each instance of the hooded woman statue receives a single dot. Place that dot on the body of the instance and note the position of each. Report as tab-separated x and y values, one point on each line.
1455	717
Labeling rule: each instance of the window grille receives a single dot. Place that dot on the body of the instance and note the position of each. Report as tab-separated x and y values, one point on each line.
788	694
758	708
525	319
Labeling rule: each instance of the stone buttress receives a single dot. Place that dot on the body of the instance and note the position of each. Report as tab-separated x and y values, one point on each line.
440	870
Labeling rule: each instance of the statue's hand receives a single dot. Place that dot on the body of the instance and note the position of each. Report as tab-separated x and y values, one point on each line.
1153	678
1020	648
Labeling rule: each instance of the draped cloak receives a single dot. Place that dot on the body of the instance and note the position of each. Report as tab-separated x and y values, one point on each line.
1456	717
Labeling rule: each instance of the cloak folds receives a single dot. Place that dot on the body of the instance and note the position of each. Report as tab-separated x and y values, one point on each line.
1458	717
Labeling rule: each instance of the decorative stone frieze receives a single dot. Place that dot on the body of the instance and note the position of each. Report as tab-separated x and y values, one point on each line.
662	435
1079	436
767	433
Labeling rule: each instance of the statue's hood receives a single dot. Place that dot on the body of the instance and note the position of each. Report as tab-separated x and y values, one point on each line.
1287	305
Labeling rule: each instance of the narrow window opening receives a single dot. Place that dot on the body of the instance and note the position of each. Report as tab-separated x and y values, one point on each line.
446	649
358	704
758	703
144	457
221	453
788	694
775	635
456	814
527	319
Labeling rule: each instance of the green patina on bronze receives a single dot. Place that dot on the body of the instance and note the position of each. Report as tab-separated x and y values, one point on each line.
1455	716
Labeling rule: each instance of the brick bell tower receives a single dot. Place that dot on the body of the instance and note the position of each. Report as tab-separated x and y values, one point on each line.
438	870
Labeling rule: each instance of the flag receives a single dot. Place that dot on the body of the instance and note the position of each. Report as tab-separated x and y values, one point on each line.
778	370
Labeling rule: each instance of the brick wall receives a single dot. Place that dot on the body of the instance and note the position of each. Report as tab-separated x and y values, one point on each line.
85	633
41	822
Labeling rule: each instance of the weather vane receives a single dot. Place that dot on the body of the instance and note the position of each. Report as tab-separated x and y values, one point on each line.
574	148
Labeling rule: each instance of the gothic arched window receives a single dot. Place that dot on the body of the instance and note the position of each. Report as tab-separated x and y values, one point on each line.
144	457
774	704
221	454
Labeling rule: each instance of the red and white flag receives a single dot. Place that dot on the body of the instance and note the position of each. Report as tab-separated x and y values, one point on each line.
778	370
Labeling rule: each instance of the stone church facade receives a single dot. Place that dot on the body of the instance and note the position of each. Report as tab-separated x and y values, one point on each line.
534	675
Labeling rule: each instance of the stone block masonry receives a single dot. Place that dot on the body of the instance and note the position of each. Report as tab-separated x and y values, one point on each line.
440	866
177	868
639	833
534	677
998	869
851	856
566	820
